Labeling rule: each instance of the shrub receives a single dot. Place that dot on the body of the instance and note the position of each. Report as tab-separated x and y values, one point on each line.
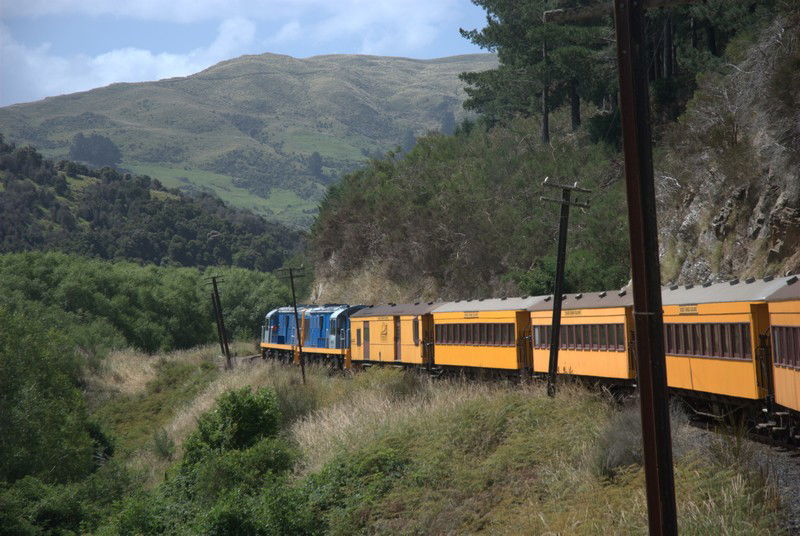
239	419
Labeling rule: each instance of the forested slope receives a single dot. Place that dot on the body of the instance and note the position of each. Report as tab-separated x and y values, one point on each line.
461	216
112	215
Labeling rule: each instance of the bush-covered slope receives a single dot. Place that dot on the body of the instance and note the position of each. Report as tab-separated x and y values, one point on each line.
460	217
100	305
246	128
107	214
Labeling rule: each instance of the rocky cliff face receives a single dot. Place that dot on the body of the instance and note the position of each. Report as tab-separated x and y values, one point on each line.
729	182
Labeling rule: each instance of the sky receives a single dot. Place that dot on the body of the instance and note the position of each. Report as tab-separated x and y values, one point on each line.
53	47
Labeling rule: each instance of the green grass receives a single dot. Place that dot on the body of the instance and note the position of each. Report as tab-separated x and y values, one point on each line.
455	458
339	147
133	419
282	204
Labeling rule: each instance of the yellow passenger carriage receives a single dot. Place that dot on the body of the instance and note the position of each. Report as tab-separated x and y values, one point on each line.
488	334
595	330
393	333
784	316
712	337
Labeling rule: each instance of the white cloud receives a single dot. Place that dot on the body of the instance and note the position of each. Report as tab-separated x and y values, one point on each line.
32	73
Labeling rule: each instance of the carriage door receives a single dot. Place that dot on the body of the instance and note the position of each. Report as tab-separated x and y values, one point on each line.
397	338
523	340
366	340
759	335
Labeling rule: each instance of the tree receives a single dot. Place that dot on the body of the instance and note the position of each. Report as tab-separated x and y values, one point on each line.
95	149
542	64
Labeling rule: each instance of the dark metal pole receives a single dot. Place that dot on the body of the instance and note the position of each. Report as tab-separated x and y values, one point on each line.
555	339
297	327
634	108
221	323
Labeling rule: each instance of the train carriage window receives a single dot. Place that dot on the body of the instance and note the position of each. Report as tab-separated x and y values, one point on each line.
577	337
780	346
612	337
787	355
537	336
503	334
603	328
512	339
776	349
562	337
548	336
686	343
586	341
571	337
595	337
358	337
498	334
794	335
462	333
697	340
723	340
736	338
415	330
702	339
490	334
791	348
748	350
676	339
620	337
673	339
679	346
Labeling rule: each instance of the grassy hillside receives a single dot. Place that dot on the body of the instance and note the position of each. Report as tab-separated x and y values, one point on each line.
245	128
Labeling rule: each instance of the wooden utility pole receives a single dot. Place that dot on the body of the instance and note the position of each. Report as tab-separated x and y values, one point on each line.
555	338
221	333
634	99
292	273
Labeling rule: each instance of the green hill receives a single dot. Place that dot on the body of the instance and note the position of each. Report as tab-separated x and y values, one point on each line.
245	129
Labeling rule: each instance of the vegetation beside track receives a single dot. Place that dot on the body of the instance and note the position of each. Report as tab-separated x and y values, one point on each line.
378	451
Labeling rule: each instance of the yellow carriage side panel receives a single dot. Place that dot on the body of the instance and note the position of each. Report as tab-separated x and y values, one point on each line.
483	355
593	361
786	378
388	335
718	375
679	372
787	387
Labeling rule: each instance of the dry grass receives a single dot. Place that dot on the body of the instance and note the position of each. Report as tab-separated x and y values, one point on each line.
367	414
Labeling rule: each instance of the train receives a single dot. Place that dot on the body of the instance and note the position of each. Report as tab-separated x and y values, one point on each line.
732	348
